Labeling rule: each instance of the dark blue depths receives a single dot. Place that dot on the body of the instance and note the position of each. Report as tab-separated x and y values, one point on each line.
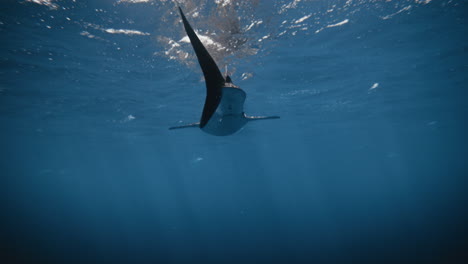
89	172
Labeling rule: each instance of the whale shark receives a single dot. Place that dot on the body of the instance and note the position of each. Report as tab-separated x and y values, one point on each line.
223	112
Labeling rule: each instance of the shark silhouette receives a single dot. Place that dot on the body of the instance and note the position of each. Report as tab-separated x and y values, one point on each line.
223	112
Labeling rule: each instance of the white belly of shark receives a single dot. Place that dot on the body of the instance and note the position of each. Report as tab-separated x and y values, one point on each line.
229	116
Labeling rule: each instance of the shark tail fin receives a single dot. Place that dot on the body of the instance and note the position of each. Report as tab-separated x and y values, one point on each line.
254	118
214	80
186	126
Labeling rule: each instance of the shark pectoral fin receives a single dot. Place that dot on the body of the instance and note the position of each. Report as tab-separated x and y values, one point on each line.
186	126
254	118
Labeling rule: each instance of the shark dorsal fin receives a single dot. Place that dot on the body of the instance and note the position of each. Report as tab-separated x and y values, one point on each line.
213	78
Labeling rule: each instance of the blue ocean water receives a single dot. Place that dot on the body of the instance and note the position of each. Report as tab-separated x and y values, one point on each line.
367	164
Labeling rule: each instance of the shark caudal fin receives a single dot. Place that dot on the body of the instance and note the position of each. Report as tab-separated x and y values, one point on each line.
186	126
213	77
254	118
